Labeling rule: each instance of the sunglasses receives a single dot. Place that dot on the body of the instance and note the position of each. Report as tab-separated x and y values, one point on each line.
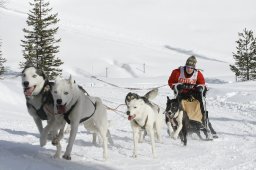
190	67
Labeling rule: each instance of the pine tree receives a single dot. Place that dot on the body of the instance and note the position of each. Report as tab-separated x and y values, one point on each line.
2	60
40	44
245	56
2	3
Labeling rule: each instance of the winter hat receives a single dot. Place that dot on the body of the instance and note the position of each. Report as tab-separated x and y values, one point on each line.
191	61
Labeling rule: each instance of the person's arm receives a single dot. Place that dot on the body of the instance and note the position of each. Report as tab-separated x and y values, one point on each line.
200	79
173	79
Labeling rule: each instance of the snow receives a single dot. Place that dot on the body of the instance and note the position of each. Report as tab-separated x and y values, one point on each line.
122	36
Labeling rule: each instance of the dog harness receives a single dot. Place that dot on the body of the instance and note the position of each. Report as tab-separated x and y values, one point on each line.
82	120
142	127
46	98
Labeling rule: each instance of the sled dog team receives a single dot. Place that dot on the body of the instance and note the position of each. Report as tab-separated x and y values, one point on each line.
64	101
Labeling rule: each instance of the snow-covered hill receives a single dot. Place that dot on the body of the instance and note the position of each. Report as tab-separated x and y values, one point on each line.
124	37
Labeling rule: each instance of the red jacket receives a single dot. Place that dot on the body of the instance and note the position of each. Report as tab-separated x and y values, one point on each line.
173	79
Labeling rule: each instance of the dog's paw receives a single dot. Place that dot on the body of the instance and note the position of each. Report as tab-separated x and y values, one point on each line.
56	156
67	157
55	141
134	155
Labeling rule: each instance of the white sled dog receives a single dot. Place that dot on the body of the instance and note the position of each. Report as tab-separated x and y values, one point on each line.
144	115
76	107
39	100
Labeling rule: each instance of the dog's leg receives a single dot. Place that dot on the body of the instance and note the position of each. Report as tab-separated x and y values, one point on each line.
46	130
141	135
57	139
94	138
110	140
184	132
150	131
135	140
71	140
179	121
159	130
39	124
103	134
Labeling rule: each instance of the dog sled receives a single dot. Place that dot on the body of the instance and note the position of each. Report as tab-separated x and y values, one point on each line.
198	120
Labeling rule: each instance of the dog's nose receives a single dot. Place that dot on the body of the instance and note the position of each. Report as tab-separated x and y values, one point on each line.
128	112
59	101
25	83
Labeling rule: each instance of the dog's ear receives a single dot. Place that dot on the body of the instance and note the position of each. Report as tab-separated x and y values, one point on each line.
71	80
151	94
135	96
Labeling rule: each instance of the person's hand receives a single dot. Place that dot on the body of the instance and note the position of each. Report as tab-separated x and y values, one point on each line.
188	86
199	89
180	87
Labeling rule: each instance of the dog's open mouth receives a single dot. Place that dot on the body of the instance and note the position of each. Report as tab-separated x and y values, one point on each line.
29	90
61	108
131	117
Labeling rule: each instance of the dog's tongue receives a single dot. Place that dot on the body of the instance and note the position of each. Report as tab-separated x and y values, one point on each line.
130	117
61	109
29	91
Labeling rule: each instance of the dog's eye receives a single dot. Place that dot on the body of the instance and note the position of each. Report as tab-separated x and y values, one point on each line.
135	107
66	93
55	92
34	76
23	75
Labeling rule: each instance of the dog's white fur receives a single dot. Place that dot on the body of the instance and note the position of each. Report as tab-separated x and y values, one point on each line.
33	97
139	110
70	94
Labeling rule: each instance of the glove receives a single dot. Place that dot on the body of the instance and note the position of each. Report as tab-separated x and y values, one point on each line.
189	86
199	89
180	87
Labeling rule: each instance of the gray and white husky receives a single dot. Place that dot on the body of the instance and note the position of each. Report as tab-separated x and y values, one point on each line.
38	95
76	107
39	100
144	115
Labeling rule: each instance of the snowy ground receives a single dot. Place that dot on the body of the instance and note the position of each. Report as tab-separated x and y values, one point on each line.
122	36
234	122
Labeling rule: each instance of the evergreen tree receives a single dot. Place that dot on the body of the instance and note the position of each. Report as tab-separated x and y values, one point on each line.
2	60
245	56
2	3
40	44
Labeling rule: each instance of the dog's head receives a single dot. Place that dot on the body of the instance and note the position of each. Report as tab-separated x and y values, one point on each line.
134	108
63	91
172	107
32	81
130	96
